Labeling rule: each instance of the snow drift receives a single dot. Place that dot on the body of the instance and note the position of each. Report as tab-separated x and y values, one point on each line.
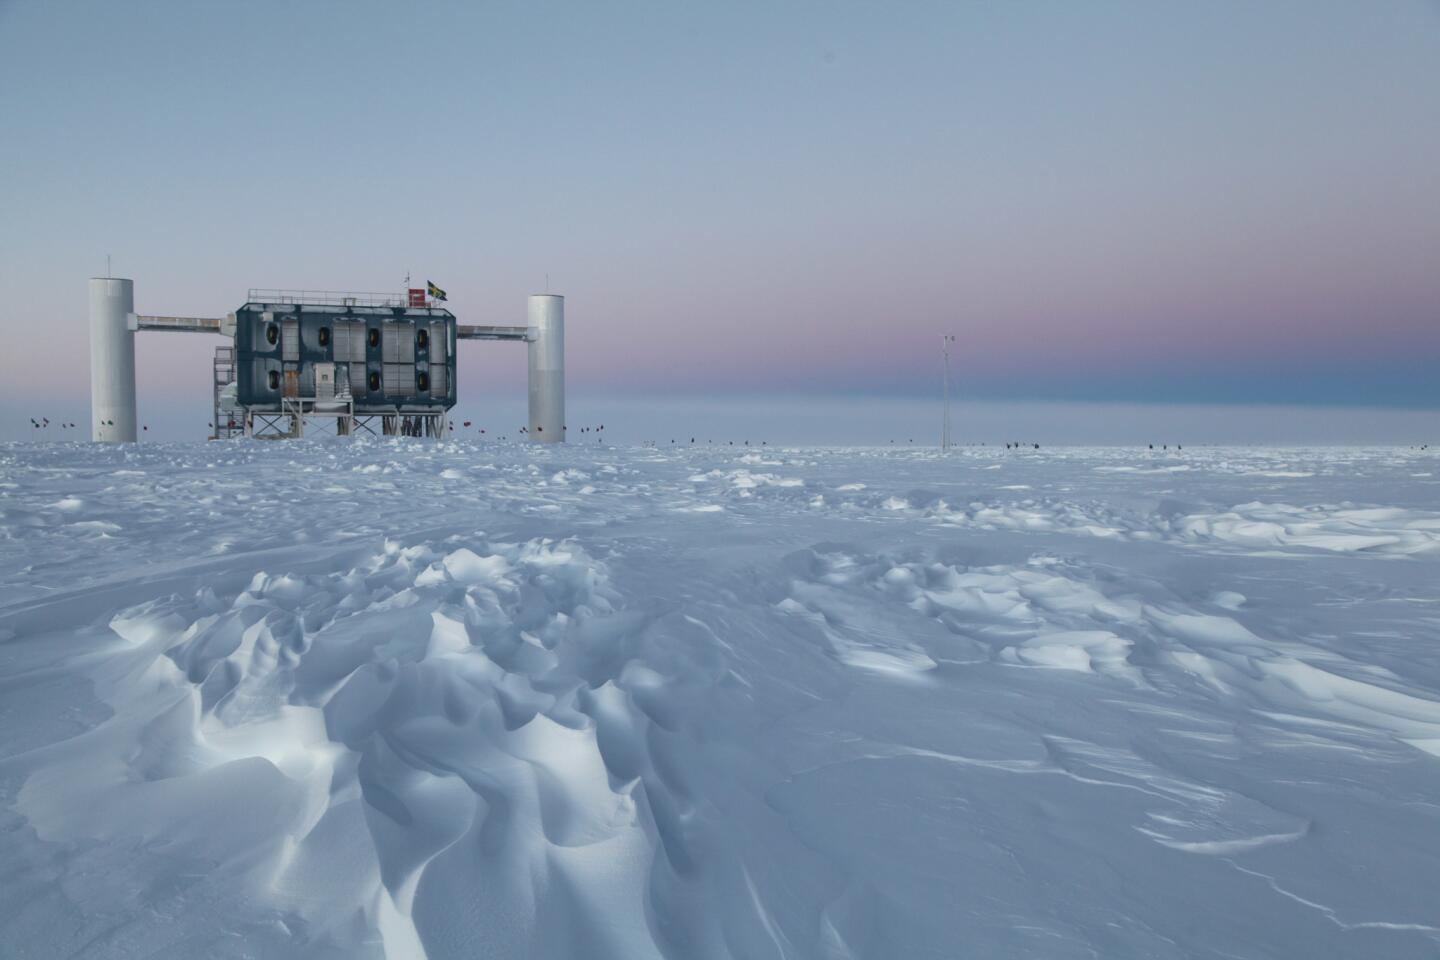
404	699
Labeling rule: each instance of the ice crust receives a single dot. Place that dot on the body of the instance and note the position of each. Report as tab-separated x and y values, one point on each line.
416	699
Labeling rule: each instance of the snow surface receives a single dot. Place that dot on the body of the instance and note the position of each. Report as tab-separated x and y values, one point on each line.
403	698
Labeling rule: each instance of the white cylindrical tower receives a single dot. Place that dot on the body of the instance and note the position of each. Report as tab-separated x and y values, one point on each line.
547	368
112	360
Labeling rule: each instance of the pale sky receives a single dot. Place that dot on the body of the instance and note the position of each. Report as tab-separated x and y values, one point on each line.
1217	202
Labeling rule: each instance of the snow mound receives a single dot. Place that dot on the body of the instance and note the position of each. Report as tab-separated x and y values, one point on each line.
394	718
698	703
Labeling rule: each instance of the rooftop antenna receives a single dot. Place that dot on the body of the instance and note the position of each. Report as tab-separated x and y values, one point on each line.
107	266
945	340
547	281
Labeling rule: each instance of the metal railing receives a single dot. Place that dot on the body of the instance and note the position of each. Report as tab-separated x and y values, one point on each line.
348	298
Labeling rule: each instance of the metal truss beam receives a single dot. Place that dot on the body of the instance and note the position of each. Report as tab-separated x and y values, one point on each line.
471	331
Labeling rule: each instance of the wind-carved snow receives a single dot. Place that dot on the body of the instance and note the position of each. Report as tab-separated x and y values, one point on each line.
289	700
402	716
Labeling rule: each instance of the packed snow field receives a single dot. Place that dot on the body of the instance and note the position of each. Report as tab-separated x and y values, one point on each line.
403	698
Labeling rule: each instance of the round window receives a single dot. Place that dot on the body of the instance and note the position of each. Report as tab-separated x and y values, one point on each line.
374	337
324	336
274	379
272	334
422	339
422	380
374	380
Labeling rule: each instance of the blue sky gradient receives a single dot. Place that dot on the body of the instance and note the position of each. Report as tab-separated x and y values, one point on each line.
1221	202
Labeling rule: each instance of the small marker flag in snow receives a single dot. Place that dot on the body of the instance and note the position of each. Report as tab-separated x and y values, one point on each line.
434	291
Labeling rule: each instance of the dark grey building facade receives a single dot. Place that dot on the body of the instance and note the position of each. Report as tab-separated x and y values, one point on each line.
386	360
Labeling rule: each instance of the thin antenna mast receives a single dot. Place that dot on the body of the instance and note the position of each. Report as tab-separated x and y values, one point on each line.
945	340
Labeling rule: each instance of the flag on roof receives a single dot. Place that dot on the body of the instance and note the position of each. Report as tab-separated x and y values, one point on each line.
434	291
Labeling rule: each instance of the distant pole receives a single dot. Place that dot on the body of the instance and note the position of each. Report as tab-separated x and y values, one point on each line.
945	340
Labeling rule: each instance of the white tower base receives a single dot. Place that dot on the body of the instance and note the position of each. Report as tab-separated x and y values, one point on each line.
546	334
112	361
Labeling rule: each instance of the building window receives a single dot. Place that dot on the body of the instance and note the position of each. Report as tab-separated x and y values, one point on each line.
324	336
274	379
272	334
